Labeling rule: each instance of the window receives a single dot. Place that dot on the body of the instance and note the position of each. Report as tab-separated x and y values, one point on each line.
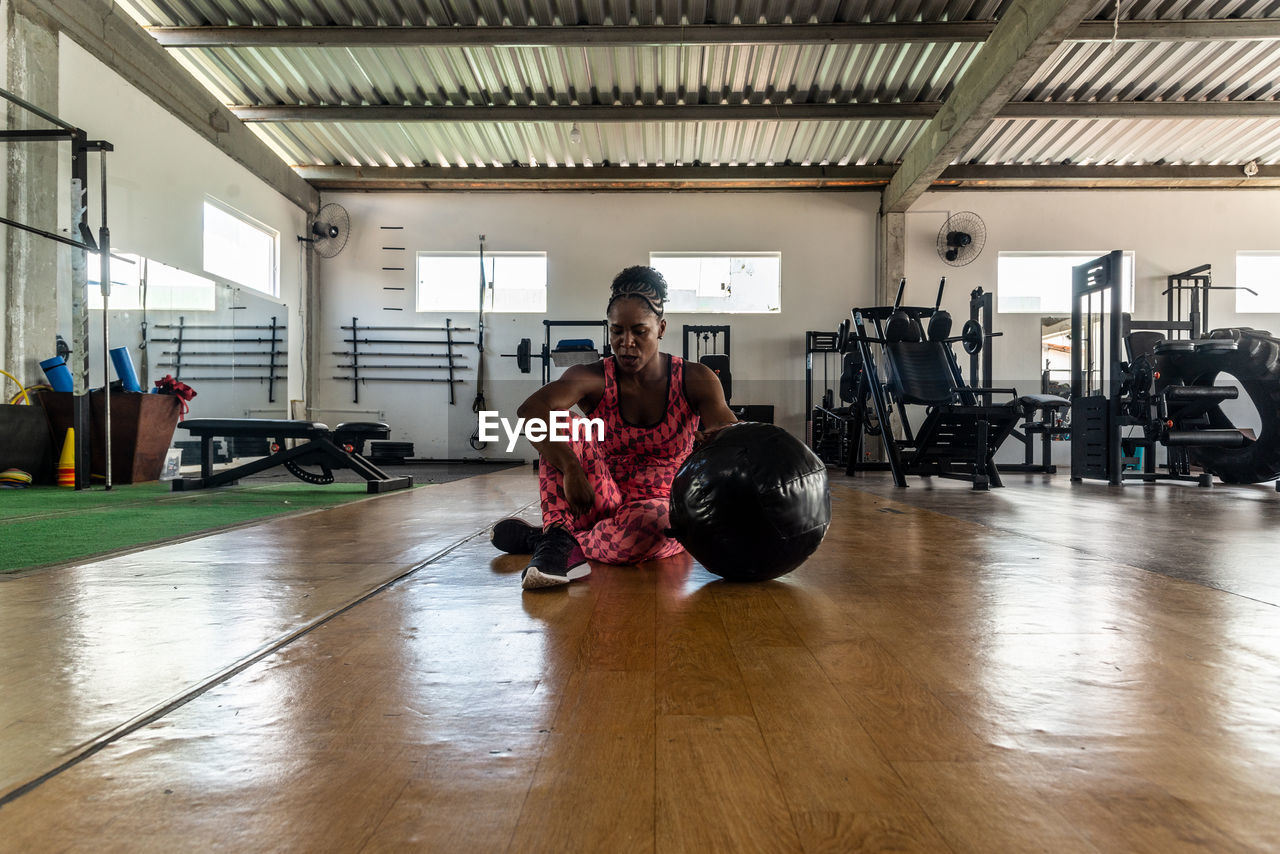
1040	282
1259	271
239	249
721	282
126	295
164	288
171	289
450	281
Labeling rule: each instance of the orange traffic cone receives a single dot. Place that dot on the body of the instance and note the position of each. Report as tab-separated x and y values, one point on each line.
67	462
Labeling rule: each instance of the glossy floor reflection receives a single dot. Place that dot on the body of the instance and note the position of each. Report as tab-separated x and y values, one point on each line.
923	683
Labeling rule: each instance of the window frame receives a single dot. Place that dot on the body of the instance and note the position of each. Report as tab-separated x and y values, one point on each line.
657	256
471	290
244	219
1081	256
1263	303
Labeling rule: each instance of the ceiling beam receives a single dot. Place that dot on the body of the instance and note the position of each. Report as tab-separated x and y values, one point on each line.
1029	32
1200	30
1255	29
1102	177
601	113
564	178
595	177
571	36
589	113
1140	110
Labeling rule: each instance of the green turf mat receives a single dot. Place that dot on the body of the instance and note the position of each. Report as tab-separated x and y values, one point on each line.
45	525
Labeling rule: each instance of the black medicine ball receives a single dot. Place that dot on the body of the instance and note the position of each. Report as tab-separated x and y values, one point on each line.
751	504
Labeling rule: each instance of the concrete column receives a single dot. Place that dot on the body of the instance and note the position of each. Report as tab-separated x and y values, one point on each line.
891	231
312	300
31	196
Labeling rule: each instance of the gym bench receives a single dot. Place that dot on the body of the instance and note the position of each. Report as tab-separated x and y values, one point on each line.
341	448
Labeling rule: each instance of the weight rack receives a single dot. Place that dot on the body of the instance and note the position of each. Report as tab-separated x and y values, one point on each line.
267	351
428	352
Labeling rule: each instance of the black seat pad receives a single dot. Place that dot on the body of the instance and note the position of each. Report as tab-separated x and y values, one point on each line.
357	432
375	428
1175	346
1044	401
266	428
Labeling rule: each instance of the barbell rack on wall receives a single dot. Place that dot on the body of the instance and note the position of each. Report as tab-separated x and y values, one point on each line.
453	362
265	347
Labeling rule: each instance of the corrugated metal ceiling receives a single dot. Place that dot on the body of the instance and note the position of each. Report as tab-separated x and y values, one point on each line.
761	74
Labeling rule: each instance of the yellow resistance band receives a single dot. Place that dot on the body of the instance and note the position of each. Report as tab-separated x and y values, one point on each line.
22	391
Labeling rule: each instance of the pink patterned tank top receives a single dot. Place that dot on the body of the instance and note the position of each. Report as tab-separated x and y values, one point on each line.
644	459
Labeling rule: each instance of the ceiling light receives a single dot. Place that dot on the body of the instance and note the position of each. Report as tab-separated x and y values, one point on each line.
575	135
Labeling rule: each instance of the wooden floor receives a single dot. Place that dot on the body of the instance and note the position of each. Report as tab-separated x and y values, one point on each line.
1032	669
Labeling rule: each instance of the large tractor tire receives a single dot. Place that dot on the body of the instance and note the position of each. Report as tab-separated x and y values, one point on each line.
1256	364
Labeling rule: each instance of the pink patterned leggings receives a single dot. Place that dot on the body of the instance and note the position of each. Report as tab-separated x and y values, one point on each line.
618	529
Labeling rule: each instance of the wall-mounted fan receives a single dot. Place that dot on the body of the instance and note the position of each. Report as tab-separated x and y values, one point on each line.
328	230
961	238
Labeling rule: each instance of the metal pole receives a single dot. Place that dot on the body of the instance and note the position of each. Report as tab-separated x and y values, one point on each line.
104	279
142	345
355	360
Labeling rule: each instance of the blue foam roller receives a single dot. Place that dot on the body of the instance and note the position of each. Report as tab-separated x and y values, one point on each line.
58	373
124	369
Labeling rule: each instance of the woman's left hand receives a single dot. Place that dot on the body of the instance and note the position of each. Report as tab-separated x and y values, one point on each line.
702	437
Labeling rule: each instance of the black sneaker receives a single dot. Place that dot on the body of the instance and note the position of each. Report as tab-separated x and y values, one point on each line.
514	536
557	559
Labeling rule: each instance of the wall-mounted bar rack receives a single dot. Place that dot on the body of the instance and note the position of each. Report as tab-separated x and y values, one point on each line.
269	358
425	348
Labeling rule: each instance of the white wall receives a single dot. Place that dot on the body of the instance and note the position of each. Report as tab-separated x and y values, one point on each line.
158	179
827	241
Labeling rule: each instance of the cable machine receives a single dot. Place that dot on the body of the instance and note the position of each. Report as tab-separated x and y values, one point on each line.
708	351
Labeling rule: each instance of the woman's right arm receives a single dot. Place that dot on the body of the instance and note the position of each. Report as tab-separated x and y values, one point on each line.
578	383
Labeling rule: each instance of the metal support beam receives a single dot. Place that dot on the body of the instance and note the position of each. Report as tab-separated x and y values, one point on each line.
917	111
1029	32
598	113
1248	29
1102	177
596	177
112	37
679	177
1140	110
601	113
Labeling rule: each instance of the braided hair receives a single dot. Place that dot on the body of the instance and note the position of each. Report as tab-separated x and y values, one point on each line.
642	282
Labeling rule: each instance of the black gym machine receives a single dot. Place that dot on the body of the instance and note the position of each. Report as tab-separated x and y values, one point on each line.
1167	388
827	429
1043	414
962	429
708	351
716	357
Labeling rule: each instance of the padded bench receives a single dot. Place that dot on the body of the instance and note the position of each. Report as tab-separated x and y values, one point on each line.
341	448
